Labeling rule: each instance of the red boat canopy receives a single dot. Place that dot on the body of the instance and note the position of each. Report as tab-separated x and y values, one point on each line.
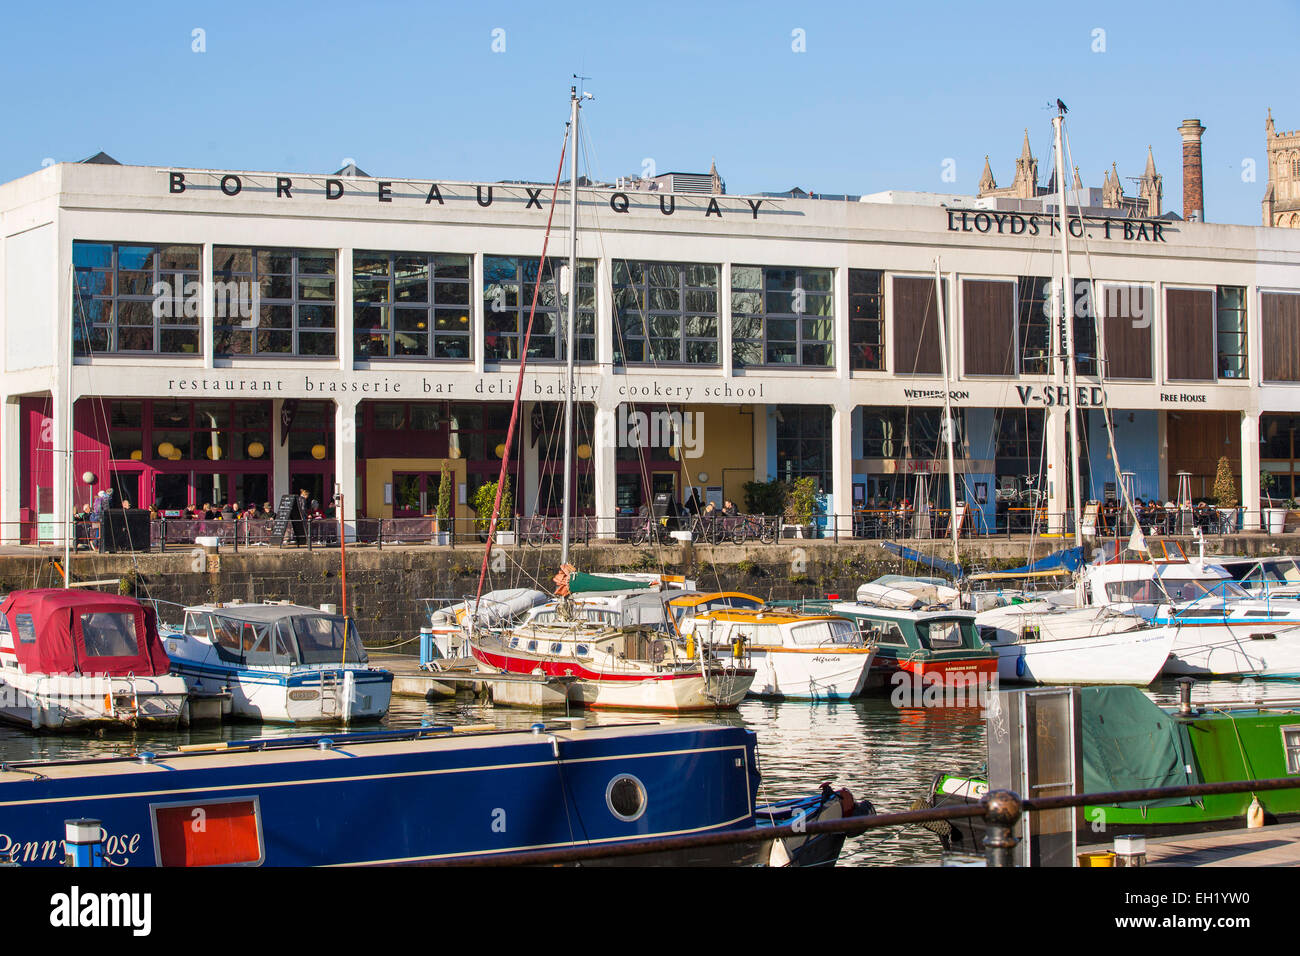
57	631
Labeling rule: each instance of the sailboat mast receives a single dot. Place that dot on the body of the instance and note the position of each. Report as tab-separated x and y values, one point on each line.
575	102
1067	296
69	435
948	425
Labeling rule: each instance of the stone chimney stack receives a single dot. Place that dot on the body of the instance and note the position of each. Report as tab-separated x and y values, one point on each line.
1193	193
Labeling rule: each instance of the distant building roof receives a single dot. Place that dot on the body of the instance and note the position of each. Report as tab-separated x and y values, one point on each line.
352	169
102	158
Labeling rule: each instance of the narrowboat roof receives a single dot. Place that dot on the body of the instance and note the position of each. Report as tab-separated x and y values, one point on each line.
769	615
902	614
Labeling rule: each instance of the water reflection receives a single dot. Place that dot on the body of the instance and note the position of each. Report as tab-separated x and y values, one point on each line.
883	753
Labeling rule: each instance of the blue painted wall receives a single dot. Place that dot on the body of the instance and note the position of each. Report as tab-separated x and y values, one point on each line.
1136	442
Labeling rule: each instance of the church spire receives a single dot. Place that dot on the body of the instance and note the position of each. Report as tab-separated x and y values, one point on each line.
1078	183
1151	165
1025	151
1268	124
987	182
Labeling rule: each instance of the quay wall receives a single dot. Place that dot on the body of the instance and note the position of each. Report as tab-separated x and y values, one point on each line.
387	588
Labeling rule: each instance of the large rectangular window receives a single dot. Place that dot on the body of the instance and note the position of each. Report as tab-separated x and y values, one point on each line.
1085	329
133	297
1128	312
867	319
782	317
803	444
1189	334
508	284
411	305
906	434
665	313
274	301
916	326
1279	320
988	327
1230	330
1034	318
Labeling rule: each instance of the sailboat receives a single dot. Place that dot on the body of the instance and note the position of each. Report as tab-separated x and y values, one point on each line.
1045	641
616	666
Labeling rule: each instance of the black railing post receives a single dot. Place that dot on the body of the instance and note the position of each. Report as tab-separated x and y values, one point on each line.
1001	811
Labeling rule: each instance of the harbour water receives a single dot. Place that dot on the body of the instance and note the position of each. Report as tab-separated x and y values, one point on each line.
883	753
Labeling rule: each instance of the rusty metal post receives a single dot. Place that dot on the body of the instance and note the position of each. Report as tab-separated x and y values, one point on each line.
1001	811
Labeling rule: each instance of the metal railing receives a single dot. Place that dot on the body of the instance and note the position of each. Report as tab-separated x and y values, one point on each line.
1000	810
869	524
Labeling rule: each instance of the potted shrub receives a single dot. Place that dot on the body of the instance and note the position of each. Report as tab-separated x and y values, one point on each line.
483	499
1225	495
442	513
801	505
1274	518
765	497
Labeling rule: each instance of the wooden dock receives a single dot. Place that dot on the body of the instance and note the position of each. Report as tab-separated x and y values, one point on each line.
1263	846
509	690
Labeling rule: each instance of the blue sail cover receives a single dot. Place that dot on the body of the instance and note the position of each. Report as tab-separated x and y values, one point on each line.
1069	559
947	567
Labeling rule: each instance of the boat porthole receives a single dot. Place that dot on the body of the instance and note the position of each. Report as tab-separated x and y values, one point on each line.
626	797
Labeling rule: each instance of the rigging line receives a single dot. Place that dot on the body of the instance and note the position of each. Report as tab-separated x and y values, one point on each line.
1100	328
519	386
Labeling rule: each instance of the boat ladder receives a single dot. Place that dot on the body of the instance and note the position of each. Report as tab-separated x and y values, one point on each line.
329	694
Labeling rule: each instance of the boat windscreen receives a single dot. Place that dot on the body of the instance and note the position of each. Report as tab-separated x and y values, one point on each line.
109	634
320	640
941	635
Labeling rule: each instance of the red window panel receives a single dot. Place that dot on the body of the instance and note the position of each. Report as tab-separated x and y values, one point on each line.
224	833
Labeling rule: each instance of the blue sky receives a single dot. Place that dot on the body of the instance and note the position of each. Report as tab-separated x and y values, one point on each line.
881	97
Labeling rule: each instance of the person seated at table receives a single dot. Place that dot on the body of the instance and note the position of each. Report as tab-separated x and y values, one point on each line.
314	511
267	513
729	507
126	503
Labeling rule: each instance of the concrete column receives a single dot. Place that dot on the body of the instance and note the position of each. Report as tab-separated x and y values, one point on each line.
1250	490
604	471
1162	454
760	443
59	460
11	454
279	455
477	347
840	288
604	315
724	319
842	469
1058	470
526	501
207	308
343	319
345	461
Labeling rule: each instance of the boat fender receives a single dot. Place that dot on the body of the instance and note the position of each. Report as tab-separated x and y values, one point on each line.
848	806
738	647
690	646
1255	814
1020	666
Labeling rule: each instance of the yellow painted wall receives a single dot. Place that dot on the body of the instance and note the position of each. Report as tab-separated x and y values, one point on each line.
727	442
379	472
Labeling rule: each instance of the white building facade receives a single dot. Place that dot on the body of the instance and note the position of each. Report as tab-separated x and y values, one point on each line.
239	335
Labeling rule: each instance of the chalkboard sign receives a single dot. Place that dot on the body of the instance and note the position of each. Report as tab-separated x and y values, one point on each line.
283	514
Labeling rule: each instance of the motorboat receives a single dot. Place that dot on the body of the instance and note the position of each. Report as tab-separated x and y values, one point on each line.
796	653
73	659
1219	629
623	668
1265	576
279	662
1040	642
917	646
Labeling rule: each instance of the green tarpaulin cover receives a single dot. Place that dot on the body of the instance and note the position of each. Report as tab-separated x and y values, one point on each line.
1129	744
585	583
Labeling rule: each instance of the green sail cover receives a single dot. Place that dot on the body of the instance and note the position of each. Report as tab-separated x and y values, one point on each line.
580	583
1130	744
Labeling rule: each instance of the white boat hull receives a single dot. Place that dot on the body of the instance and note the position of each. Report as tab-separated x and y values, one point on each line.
819	674
1230	650
1075	646
75	701
306	697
